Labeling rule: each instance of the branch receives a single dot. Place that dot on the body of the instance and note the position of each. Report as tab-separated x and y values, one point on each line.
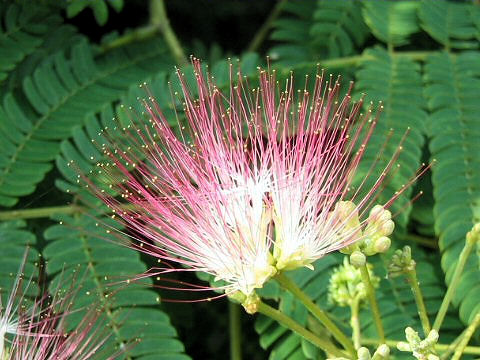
159	19
263	31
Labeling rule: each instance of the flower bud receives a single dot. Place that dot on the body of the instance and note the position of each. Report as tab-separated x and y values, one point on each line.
401	262
344	209
382	244
420	349
348	249
432	337
403	346
412	336
375	235
358	259
376	211
346	283
385	215
363	354
387	227
383	351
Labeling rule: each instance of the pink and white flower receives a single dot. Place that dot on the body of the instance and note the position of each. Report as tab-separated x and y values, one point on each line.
36	329
259	180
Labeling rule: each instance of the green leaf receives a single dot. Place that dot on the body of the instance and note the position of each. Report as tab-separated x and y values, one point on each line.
99	8
27	28
453	85
78	245
338	27
391	21
422	218
397	82
452	24
100	11
309	31
16	242
59	96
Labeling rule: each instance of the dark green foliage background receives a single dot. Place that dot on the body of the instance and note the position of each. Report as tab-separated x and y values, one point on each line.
61	82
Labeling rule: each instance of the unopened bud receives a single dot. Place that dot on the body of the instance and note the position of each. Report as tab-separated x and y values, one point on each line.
382	244
432	337
420	349
349	249
382	352
379	227
412	336
346	283
385	215
376	211
344	209
387	227
358	259
403	346
363	354
401	262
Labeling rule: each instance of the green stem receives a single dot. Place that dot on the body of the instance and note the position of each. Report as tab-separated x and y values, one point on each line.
460	349
452	287
159	18
355	323
373	301
290	286
473	350
417	293
352	61
39	212
263	31
235	331
424	241
299	329
139	34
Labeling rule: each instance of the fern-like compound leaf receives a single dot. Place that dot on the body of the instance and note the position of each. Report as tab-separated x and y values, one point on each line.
57	97
453	85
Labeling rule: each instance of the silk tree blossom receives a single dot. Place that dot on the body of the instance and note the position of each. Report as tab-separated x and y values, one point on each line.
258	180
316	144
313	162
50	341
198	202
37	329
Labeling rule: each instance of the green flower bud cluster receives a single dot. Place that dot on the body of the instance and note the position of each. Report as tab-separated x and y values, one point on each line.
374	237
420	349
379	227
363	353
346	284
401	262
